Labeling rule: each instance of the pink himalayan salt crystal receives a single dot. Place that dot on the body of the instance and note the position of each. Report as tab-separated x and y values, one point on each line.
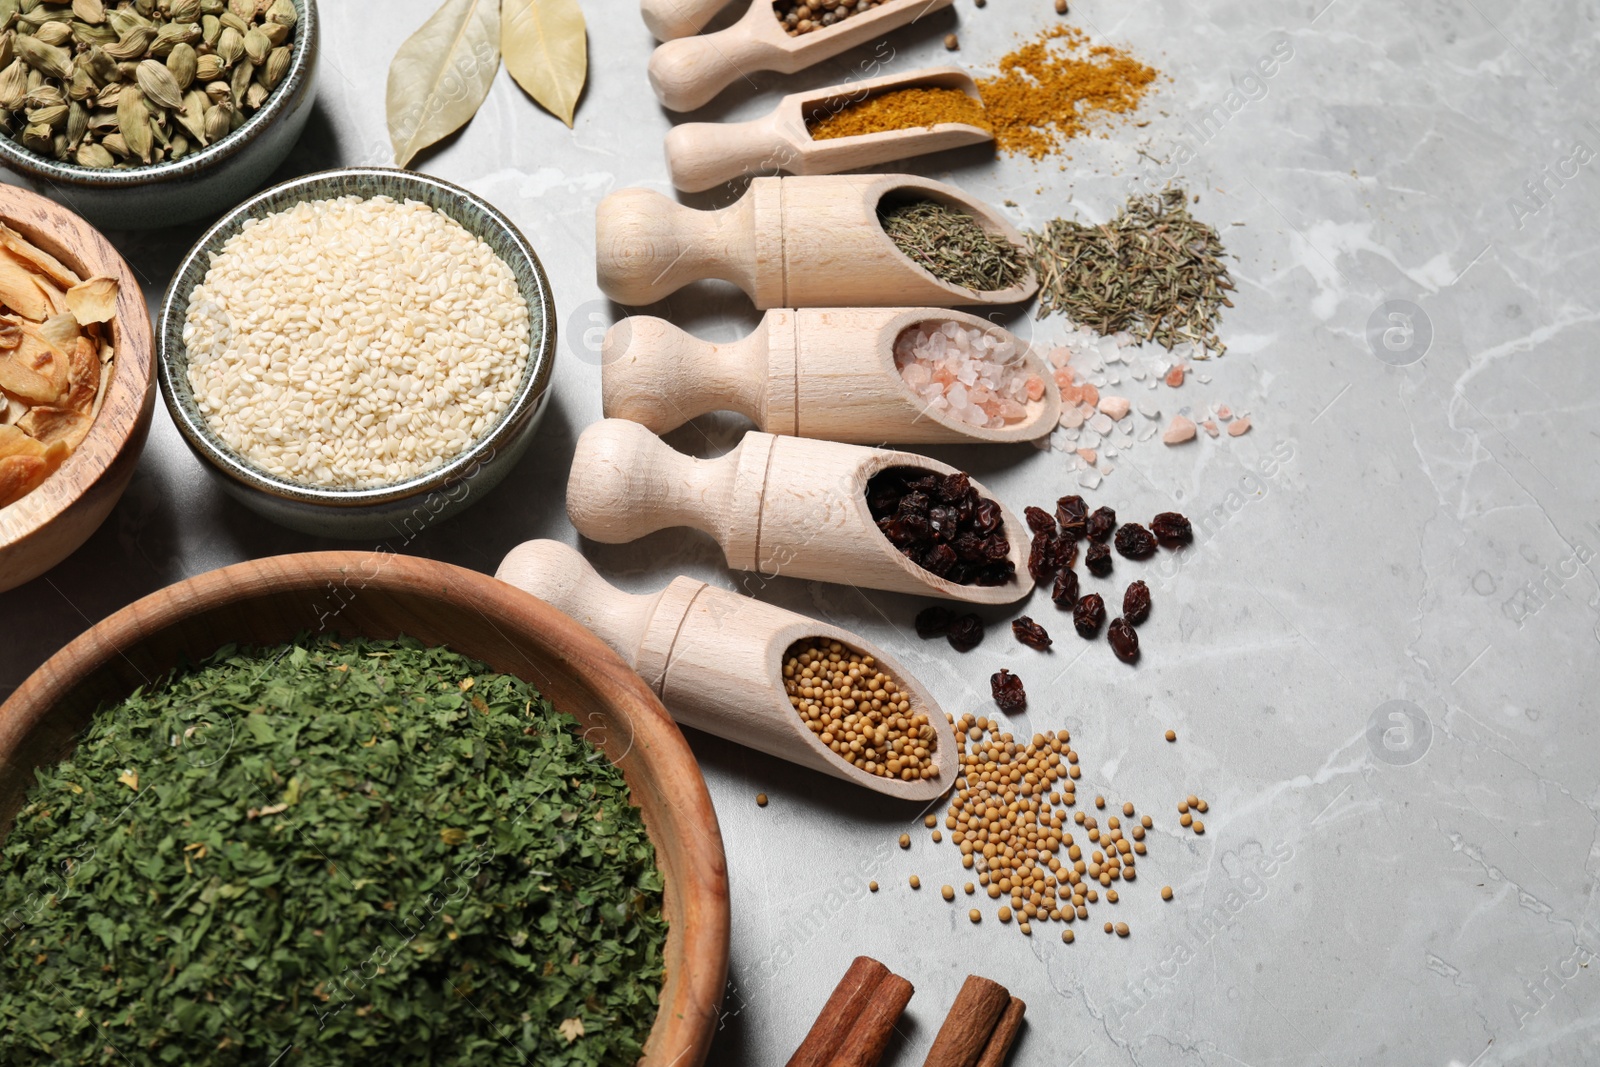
1115	406
974	376
1210	427
1239	426
1179	430
1175	376
1089	456
1224	412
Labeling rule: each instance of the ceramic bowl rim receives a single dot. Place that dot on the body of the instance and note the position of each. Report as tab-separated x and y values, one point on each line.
530	394
307	33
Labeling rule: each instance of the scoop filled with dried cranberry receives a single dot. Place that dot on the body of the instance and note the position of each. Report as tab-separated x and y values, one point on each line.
942	524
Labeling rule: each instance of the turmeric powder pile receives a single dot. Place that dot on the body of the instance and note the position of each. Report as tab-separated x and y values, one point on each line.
901	109
1051	89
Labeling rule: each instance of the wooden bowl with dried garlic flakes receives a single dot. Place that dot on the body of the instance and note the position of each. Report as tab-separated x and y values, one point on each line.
77	382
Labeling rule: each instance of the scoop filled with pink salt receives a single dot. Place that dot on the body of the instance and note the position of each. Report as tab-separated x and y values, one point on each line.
978	376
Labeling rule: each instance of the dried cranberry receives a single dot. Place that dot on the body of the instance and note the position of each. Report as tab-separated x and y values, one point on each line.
1124	640
1135	542
1073	515
987	516
1039	520
953	488
939	559
1136	603
966	633
1098	560
1008	693
1172	529
1045	558
1065	593
1030	633
1088	616
931	622
1102	523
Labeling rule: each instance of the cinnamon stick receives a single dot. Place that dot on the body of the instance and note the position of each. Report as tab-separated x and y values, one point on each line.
1005	1034
966	1030
868	1036
839	1013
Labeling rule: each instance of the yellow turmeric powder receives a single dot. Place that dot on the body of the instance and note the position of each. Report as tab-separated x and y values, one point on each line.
1051	89
899	109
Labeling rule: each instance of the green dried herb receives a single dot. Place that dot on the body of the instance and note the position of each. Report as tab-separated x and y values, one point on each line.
949	244
1154	271
330	852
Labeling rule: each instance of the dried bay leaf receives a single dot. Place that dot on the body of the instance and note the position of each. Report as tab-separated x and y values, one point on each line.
546	48
441	74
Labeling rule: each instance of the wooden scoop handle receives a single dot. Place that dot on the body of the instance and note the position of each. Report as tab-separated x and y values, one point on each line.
626	483
671	19
647	247
689	72
661	377
560	576
703	155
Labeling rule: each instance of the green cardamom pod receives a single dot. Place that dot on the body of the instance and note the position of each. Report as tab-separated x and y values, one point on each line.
95	156
9	10
82	86
13	85
102	121
257	47
101	65
77	124
45	58
218	91
8	48
230	46
52	116
275	32
243	74
193	115
39	139
180	146
116	144
85	34
91	11
133	44
133	121
277	67
158	132
284	13
234	22
213	7
146	7
184	62
210	29
183	10
160	85
128	70
172	35
56	33
219	122
109	96
208	68
44	96
125	20
41	16
256	95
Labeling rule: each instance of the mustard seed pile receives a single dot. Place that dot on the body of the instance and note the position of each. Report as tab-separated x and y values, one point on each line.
858	710
355	342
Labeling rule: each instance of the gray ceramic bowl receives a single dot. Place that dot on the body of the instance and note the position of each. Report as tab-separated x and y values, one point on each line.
201	184
405	507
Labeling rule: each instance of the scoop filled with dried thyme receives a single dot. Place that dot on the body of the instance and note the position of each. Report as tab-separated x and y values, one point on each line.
952	246
1154	270
132	83
354	850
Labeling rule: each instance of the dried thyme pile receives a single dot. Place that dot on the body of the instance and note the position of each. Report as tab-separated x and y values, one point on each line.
330	852
125	84
1154	271
952	246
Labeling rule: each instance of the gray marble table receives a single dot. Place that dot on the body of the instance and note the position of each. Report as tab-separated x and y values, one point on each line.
1380	655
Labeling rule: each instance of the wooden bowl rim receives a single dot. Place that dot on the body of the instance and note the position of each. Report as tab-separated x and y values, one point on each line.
700	883
133	360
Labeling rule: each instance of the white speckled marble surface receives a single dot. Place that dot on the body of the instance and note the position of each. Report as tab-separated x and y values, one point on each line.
1382	884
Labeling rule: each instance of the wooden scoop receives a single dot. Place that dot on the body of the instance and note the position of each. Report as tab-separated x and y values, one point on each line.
688	72
788	242
715	658
668	20
778	505
822	373
703	155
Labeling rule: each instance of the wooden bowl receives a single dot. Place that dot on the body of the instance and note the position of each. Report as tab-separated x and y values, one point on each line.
269	601
50	523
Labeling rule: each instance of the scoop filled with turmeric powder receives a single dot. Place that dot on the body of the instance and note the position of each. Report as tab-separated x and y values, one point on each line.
899	109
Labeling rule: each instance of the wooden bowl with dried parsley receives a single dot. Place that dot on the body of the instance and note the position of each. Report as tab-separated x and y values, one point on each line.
71	428
447	613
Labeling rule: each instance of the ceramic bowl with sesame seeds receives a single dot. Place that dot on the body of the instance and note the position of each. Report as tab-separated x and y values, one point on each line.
378	361
207	179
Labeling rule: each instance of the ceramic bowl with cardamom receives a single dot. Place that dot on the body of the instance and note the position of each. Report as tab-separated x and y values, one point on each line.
403	506
228	148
